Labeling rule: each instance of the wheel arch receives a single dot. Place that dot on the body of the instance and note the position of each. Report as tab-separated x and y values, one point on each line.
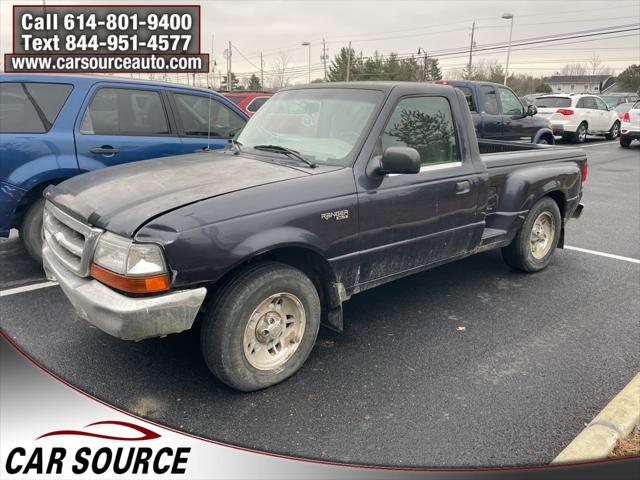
312	263
544	133
30	196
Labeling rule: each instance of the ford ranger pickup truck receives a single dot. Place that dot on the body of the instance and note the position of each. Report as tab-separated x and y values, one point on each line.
328	191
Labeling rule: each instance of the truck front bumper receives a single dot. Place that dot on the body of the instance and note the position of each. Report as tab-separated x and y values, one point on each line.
121	316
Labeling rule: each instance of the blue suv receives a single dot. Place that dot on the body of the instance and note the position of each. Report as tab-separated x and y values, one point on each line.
53	127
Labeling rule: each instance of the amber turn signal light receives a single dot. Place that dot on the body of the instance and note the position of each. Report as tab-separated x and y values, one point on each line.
151	284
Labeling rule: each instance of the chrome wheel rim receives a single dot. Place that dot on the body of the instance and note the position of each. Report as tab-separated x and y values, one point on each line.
274	331
542	235
616	130
582	133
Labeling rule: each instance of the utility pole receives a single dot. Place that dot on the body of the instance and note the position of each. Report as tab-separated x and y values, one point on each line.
229	69
426	63
261	72
349	62
473	29
324	58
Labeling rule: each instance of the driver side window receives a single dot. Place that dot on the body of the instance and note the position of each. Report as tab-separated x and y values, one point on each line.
510	103
426	124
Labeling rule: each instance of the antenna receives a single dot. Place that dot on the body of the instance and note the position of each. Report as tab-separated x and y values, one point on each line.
209	126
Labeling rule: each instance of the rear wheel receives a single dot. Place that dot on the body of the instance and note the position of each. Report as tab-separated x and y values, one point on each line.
614	132
261	327
625	141
31	230
581	134
533	246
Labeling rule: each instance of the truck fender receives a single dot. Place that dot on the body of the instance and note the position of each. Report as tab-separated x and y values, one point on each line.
272	239
300	248
526	186
541	133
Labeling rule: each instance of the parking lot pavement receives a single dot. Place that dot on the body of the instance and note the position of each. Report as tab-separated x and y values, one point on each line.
611	220
403	385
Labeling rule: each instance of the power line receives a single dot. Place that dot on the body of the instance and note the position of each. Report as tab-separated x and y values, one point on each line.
537	41
354	36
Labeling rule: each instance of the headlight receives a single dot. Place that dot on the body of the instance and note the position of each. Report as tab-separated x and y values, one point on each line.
122	256
130	267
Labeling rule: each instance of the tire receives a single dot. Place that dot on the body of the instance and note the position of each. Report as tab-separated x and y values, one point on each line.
614	132
237	339
520	253
543	141
625	141
31	230
581	134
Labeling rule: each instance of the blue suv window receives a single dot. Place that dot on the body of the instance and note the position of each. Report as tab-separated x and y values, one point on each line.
121	111
201	116
31	107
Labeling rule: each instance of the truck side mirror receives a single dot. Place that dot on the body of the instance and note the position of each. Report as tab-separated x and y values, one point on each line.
532	110
399	160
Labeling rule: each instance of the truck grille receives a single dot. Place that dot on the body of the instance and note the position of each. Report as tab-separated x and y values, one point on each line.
71	241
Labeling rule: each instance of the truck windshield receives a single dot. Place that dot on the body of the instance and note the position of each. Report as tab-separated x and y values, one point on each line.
322	125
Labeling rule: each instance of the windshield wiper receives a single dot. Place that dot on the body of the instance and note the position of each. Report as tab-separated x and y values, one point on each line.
285	151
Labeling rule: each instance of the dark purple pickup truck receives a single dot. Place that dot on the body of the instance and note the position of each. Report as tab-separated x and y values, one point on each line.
328	191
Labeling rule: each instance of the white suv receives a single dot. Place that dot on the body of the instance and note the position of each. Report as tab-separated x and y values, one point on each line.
630	129
574	116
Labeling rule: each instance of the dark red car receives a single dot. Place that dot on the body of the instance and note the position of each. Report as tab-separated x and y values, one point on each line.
248	102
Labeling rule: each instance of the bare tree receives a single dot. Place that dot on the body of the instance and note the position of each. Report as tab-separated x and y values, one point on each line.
574	69
594	64
279	66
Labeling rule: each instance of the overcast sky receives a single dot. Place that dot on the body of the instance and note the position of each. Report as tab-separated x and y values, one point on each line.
279	27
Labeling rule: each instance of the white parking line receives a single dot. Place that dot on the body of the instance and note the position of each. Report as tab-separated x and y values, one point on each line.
602	254
26	288
599	144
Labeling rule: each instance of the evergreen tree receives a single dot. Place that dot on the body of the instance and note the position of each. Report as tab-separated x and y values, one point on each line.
254	83
338	68
630	78
433	69
234	82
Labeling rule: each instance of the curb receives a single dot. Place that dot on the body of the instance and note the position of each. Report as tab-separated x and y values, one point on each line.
615	421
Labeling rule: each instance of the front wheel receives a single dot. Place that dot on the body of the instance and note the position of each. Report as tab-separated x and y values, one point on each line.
31	230
261	326
532	248
614	132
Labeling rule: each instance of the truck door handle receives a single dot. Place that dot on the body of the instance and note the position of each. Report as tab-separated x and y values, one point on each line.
104	150
463	187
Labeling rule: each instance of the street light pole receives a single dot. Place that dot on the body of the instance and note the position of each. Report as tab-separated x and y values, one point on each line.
508	16
308	44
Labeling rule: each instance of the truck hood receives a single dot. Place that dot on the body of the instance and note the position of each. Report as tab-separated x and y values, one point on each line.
123	198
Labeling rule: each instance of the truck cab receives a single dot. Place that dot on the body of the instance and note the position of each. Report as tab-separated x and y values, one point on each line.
53	127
